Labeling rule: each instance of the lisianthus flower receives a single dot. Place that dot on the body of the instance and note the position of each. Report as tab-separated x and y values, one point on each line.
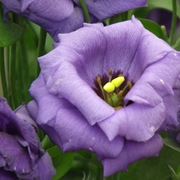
109	90
178	138
54	16
163	17
21	156
63	16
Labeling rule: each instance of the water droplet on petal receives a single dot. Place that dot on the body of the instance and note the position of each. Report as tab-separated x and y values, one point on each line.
162	81
90	148
152	129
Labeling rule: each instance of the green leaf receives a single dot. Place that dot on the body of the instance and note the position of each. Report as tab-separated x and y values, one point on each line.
164	4
153	168
9	33
172	144
175	176
118	18
64	165
177	45
153	27
62	161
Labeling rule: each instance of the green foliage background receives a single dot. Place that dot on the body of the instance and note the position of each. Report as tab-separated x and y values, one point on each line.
21	42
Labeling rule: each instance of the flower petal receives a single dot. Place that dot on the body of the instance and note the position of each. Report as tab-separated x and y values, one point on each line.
43	169
131	48
131	153
76	133
32	109
2	161
13	124
172	108
160	76
149	95
64	77
69	24
55	10
17	158
7	118
106	8
68	128
89	51
122	42
5	175
27	130
135	122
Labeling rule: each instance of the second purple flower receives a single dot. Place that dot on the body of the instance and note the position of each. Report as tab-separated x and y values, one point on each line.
62	16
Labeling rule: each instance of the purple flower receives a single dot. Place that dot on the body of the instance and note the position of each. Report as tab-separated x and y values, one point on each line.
21	156
163	17
62	16
178	138
108	90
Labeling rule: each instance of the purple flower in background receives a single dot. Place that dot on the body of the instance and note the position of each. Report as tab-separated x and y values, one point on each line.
21	156
62	16
102	9
108	90
162	17
178	138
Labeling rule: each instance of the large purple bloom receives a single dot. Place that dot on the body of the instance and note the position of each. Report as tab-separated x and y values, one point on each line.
121	126
21	156
62	16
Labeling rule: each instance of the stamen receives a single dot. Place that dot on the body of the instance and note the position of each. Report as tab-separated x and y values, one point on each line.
125	90
113	91
118	81
98	79
109	87
110	74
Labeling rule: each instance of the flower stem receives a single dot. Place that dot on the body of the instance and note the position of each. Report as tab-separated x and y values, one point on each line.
1	12
12	76
19	75
9	53
41	44
3	73
87	17
7	71
174	21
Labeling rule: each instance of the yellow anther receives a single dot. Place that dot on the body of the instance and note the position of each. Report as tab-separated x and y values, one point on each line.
118	81
109	87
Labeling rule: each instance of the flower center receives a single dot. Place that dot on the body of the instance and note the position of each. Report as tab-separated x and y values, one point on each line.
113	88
